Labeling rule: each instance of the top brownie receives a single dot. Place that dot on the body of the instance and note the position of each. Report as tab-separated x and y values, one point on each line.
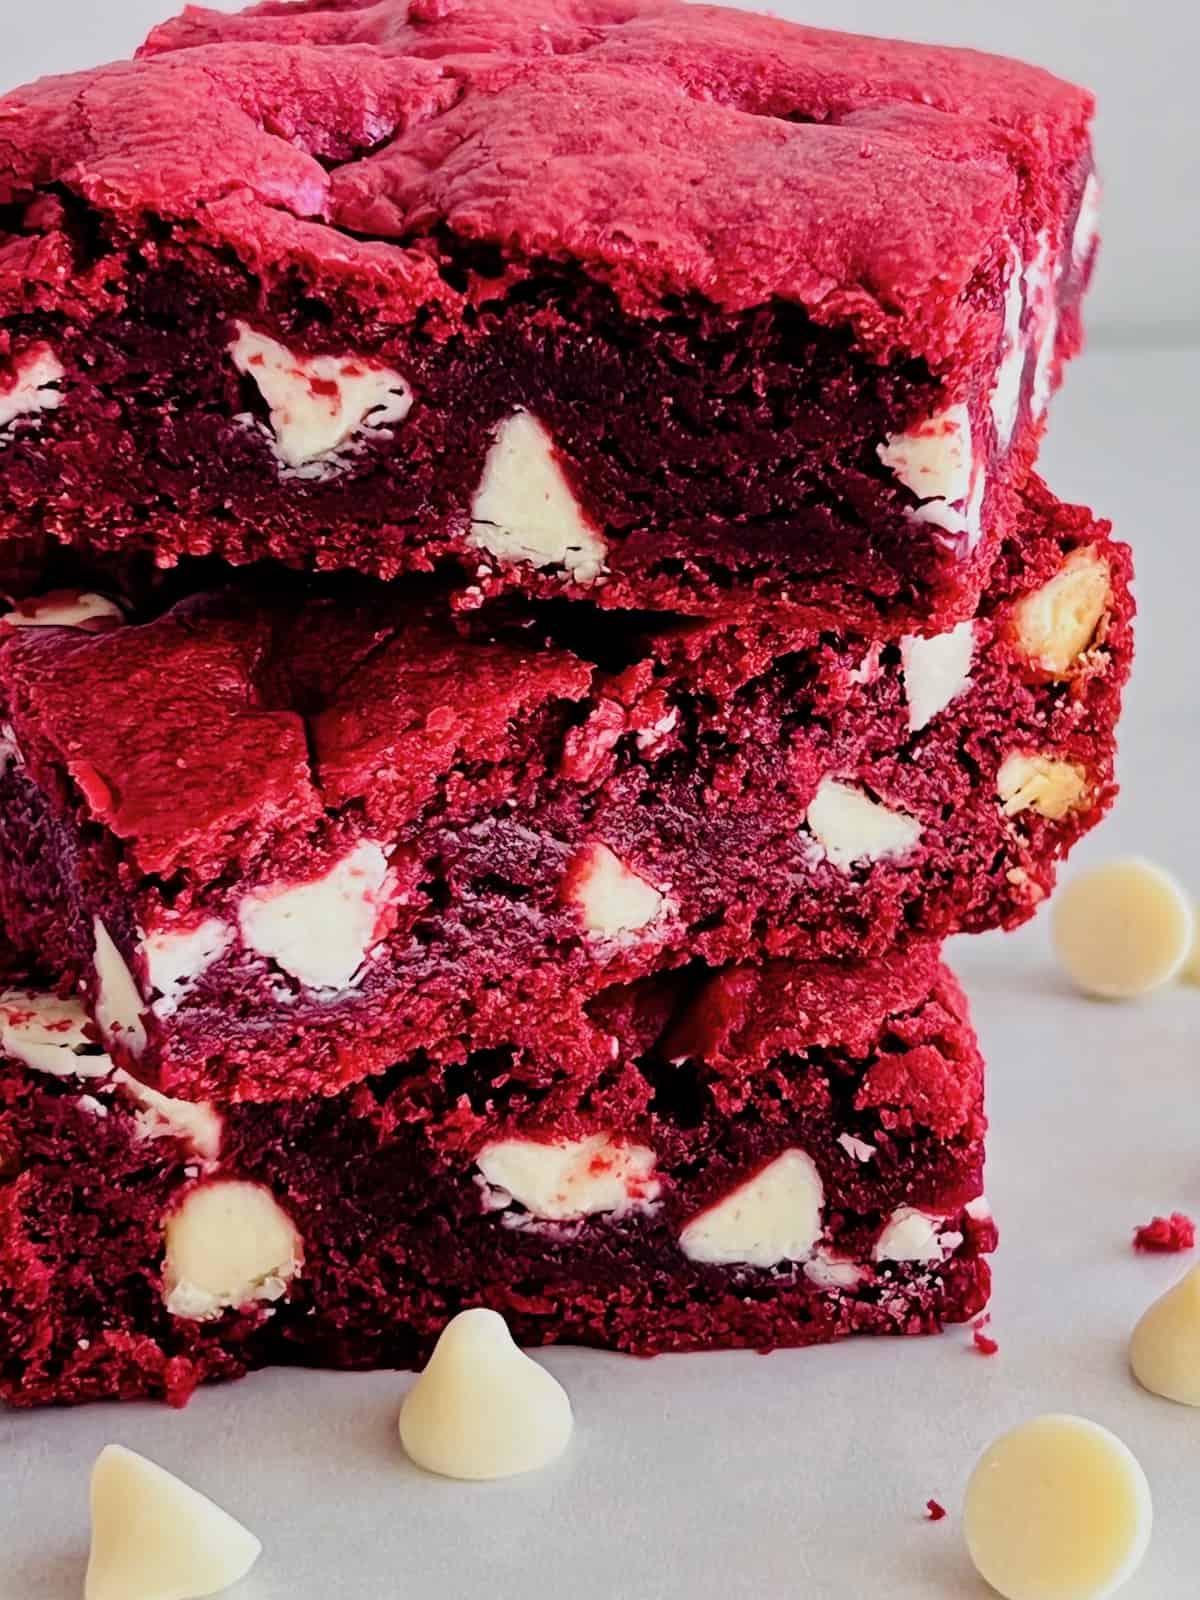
670	306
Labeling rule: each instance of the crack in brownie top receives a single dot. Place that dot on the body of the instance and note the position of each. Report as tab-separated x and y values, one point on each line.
673	150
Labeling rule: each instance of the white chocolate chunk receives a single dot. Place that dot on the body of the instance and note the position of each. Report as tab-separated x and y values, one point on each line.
572	1178
979	1210
1123	929
1165	1349
524	509
482	1409
1056	624
321	932
30	387
1010	375
911	1235
197	1123
775	1216
936	672
318	403
851	827
1087	224
1041	278
828	1271
1057	1509
66	609
119	1004
47	1034
176	957
612	899
229	1245
156	1538
1043	784
935	460
856	1149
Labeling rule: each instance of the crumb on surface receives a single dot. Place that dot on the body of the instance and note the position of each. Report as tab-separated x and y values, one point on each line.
1166	1235
934	1511
982	1342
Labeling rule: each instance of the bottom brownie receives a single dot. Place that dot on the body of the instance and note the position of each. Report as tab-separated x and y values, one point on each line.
775	1156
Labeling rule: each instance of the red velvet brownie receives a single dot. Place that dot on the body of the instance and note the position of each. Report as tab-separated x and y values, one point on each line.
281	839
761	1158
667	306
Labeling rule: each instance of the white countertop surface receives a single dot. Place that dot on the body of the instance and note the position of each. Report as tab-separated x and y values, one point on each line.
805	1474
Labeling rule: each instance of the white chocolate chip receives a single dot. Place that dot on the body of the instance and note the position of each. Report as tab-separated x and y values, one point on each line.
562	1181
1123	929
119	1004
176	957
911	1235
48	1034
1010	375
936	672
828	1271
321	932
856	1149
318	403
1057	1509
979	1210
67	609
1165	1349
1056	624
524	509
935	460
482	1409
229	1245
775	1216
851	827
155	1538
1191	967
613	900
1040	783
31	386
196	1124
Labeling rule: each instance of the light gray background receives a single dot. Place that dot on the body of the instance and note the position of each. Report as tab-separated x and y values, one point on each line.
1141	58
803	1476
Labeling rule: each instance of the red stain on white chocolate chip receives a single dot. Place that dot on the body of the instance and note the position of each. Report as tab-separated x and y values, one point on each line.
1166	1235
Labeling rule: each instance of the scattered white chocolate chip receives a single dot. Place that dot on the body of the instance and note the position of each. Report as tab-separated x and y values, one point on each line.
1057	1509
318	403
1056	624
229	1244
49	1034
612	899
1044	784
1010	375
1123	929
32	385
156	1538
321	932
524	509
936	672
66	609
481	1408
1165	1349
197	1123
829	1271
562	1181
911	1235
936	462
851	827
119	1005
856	1149
775	1216
176	957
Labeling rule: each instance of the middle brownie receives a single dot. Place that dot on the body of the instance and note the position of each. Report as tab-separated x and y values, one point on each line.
301	835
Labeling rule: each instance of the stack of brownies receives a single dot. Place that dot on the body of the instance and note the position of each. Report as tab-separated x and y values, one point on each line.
532	617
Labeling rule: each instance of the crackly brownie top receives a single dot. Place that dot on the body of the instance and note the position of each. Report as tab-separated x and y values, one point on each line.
670	149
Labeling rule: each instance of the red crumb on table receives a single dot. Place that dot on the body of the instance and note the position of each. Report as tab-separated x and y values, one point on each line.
1166	1235
983	1343
934	1511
